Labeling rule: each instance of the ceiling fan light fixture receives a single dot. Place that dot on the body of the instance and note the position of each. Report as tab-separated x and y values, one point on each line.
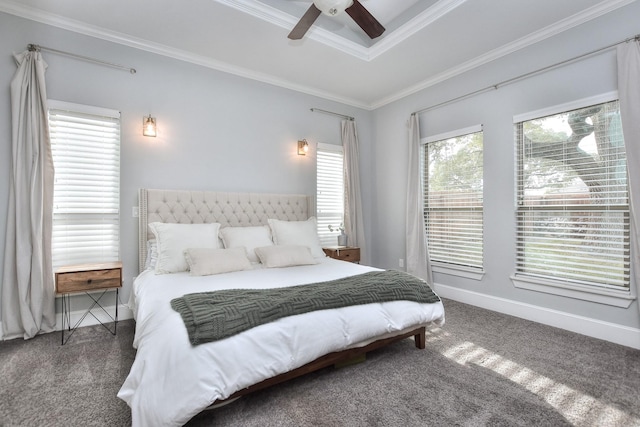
332	7
353	8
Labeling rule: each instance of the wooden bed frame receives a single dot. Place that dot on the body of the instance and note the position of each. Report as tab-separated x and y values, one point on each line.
419	336
246	209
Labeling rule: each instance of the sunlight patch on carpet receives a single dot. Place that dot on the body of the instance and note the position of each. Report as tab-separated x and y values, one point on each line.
577	407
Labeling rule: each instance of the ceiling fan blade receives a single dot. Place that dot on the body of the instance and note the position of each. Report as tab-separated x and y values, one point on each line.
305	23
365	20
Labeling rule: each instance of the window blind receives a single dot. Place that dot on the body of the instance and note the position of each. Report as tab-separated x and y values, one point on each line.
86	157
453	202
572	200
330	192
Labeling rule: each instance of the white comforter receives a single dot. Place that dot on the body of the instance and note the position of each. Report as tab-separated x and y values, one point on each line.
171	380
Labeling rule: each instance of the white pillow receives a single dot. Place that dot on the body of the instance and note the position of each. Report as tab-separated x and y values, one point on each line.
173	239
303	233
285	256
249	237
206	261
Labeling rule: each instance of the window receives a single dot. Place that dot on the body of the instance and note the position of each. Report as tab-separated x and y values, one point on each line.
330	192
453	200
85	143
572	199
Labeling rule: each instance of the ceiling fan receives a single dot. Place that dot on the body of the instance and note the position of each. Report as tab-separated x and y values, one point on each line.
354	9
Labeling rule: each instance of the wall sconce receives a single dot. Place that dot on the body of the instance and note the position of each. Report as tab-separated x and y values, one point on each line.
303	147
149	126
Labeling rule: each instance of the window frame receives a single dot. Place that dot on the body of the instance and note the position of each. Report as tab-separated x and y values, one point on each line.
116	217
466	271
323	233
619	297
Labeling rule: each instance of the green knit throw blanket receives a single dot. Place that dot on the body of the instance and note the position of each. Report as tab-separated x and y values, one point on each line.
211	316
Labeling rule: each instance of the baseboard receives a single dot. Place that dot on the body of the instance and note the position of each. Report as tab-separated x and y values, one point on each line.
607	331
124	313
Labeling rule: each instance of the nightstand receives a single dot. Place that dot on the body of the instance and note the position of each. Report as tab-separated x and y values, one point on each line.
343	253
89	279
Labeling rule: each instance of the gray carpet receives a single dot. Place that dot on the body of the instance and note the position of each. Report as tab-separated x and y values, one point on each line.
481	369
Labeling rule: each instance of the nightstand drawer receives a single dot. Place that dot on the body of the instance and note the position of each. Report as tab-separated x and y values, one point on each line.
88	279
343	253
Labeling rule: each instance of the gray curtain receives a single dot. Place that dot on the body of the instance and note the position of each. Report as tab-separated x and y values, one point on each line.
418	262
28	295
353	222
629	93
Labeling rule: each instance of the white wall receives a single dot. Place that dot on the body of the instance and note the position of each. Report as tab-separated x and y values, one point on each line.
495	110
216	131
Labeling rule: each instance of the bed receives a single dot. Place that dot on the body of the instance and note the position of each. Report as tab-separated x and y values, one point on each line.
171	379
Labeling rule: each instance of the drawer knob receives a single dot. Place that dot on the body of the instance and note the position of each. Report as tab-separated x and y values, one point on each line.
89	281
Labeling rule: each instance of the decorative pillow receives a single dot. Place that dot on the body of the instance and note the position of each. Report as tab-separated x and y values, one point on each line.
285	256
297	233
173	239
249	237
206	261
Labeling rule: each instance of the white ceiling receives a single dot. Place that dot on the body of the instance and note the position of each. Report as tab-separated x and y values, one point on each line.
426	41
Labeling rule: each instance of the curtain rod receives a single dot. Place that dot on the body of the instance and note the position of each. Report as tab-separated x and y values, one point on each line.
37	48
525	75
332	113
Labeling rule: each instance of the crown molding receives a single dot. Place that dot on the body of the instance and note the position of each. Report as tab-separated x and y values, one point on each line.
589	14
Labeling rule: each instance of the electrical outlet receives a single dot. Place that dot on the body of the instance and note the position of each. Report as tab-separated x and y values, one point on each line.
134	212
400	262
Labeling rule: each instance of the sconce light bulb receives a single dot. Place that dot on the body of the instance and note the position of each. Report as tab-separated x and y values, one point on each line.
303	147
149	126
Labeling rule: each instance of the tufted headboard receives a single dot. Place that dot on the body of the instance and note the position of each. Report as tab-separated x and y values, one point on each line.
229	209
